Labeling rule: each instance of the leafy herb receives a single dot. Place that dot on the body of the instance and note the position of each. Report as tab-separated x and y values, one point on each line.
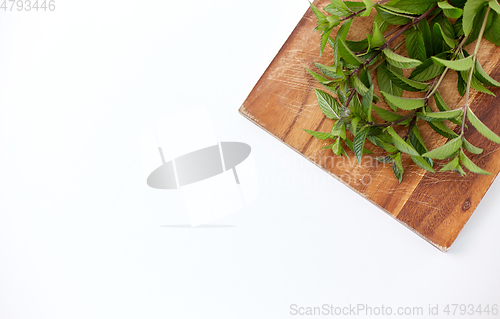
434	34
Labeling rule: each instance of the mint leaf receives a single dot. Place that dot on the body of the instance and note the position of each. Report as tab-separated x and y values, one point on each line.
402	102
470	165
328	105
446	150
401	144
458	65
471	8
481	128
359	143
400	61
471	148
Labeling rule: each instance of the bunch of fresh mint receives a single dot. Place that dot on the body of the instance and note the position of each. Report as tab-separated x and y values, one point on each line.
434	35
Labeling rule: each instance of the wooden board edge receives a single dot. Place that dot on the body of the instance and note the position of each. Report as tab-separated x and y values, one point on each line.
249	117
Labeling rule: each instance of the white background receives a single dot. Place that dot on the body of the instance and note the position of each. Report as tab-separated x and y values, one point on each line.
80	231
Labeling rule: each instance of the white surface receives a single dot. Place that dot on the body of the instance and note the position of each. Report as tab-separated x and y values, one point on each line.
80	233
212	198
185	132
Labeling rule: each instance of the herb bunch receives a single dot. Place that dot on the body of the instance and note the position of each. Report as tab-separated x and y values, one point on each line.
434	34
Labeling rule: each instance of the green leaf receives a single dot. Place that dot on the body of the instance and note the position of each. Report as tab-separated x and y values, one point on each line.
388	115
446	150
354	125
341	36
348	55
422	163
492	33
457	28
384	81
458	65
328	105
438	30
343	133
438	43
382	24
355	105
354	5
378	39
470	165
440	103
440	116
415	46
418	143
411	6
494	5
404	83
321	79
337	8
471	8
471	148
477	85
484	77
461	85
357	46
376	131
481	128
319	135
478	22
442	106
349	144
400	61
449	10
359	143
427	70
386	146
369	5
386	160
460	170
442	129
424	27
358	85
367	103
319	15
392	17
451	166
337	128
330	71
397	167
324	39
337	147
416	140
401	144
402	102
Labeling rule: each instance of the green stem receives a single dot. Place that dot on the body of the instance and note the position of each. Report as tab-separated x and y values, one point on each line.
394	122
436	86
397	35
376	65
352	15
471	71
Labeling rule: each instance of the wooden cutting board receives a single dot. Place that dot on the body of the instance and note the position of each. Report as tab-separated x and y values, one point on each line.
435	206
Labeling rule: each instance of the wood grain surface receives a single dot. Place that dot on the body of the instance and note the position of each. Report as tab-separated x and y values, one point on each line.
435	206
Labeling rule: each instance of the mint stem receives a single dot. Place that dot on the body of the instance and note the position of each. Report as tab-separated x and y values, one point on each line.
471	71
